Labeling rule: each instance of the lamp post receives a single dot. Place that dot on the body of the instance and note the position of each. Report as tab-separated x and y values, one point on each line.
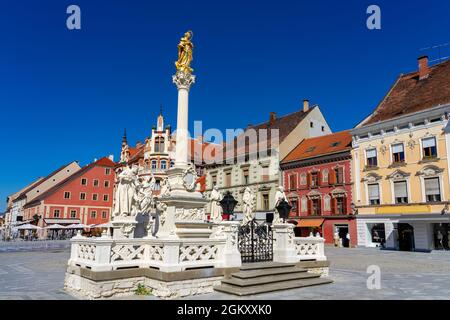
228	203
283	209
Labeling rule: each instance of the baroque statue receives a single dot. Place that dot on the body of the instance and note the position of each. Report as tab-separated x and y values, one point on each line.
216	209
248	200
279	196
127	183
185	54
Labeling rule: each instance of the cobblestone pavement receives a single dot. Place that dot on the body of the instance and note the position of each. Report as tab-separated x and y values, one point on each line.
404	275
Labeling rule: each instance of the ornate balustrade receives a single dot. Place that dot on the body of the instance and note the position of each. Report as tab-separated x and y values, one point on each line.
106	253
310	248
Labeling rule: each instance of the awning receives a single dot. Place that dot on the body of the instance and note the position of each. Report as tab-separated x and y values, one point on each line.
62	221
310	222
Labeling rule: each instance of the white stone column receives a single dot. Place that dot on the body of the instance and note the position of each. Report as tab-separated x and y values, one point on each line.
183	81
283	246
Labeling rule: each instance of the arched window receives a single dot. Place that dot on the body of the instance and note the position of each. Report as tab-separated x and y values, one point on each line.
159	144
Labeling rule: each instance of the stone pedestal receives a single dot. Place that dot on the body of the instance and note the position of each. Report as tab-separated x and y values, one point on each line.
231	257
124	227
283	243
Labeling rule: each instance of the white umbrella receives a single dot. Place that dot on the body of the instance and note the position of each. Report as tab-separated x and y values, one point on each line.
55	226
104	225
77	226
28	227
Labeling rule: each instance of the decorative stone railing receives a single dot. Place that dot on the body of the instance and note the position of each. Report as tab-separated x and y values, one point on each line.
290	249
310	248
168	255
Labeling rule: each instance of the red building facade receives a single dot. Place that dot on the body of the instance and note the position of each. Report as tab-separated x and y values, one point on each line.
318	184
84	197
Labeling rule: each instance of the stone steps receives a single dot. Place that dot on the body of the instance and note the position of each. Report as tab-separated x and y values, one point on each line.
255	278
270	279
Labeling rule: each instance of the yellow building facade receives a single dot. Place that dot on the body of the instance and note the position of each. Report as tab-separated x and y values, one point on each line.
401	161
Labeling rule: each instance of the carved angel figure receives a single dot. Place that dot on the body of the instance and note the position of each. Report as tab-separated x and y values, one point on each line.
248	200
216	209
279	196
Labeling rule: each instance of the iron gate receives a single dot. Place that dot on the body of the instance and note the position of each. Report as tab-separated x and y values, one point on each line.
255	242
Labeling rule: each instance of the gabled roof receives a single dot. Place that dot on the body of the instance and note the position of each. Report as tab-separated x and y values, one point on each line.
320	146
39	182
13	197
284	124
103	162
410	94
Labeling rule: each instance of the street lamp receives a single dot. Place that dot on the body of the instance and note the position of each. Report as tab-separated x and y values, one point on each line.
228	203
283	209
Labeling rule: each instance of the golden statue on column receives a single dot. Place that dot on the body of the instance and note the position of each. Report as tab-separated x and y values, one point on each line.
185	50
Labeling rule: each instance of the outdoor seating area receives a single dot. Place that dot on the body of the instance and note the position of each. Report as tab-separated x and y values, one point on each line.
30	232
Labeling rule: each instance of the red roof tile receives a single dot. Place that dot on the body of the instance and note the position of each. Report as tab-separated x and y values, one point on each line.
409	94
319	146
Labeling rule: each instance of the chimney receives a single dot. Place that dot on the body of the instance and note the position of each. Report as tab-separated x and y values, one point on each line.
424	70
305	105
272	118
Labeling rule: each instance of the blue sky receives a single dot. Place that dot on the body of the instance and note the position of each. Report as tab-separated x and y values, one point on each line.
68	95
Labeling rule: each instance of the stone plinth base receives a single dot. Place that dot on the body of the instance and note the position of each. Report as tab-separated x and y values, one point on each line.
86	284
318	267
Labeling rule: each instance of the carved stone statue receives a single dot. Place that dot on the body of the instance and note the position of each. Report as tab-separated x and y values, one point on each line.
279	196
185	50
248	202
125	192
165	187
216	209
145	196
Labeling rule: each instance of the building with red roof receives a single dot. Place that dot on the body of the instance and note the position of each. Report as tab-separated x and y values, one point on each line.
318	184
85	196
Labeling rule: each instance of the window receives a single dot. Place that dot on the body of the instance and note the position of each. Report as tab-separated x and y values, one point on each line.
163	165
432	190
294	204
104	214
93	214
340	206
400	192
56	213
73	213
107	171
84	182
214	180
311	124
292	181
265	202
429	147
315	207
323	129
325	176
245	176
82	196
371	156
153	165
339	173
105	197
374	194
95	197
106	184
172	163
265	174
67	195
158	184
398	153
228	179
159	144
314	180
96	183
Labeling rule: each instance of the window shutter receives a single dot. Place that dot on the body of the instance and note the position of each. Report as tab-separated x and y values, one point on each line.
332	177
308	179
429	142
374	192
309	207
432	186
344	205
341	173
319	178
400	189
319	205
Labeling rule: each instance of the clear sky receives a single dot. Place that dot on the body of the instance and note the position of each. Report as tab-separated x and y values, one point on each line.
68	95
